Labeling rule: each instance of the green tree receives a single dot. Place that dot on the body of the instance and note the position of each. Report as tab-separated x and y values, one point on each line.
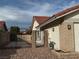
14	30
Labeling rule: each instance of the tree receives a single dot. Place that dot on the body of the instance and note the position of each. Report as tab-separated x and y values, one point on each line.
14	30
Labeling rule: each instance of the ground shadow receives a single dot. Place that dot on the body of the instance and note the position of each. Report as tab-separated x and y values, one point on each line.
10	49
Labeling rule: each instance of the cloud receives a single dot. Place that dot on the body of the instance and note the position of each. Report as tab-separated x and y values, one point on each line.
14	13
22	17
41	10
72	3
30	2
17	14
38	7
62	5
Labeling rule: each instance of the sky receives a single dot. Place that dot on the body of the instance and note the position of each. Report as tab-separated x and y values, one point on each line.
20	12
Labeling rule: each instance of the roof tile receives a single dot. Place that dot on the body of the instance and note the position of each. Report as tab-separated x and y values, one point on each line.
66	10
41	19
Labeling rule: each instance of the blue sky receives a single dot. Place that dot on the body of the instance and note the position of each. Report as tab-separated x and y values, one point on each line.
20	12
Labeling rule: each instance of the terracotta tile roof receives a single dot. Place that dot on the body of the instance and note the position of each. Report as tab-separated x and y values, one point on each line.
29	31
67	10
3	25
41	19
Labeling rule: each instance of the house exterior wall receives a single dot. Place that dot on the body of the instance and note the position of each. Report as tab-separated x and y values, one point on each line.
37	35
35	25
46	38
67	37
53	35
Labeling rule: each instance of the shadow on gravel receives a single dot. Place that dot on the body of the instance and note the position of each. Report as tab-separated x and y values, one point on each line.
9	51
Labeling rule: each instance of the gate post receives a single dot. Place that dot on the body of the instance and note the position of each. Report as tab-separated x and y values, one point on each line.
33	39
45	38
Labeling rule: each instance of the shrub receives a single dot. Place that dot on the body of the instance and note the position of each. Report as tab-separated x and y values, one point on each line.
51	44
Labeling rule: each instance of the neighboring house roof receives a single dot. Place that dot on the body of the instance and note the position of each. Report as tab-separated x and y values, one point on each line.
61	14
29	31
22	33
39	19
3	25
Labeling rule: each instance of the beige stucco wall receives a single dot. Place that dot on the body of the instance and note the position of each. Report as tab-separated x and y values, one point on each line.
33	38
54	36
27	38
69	35
66	37
73	18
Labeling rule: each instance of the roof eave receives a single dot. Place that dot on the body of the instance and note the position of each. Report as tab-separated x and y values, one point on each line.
55	18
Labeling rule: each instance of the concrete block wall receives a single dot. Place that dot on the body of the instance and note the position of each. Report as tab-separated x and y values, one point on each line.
25	37
4	38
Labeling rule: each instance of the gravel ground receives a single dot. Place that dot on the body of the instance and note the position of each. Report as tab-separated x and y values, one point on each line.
17	45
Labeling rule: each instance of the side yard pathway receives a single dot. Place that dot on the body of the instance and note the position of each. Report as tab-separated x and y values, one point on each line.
17	45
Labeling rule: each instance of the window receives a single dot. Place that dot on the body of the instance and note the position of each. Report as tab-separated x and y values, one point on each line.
38	35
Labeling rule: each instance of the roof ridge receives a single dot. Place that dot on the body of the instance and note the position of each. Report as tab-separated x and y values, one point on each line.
67	10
